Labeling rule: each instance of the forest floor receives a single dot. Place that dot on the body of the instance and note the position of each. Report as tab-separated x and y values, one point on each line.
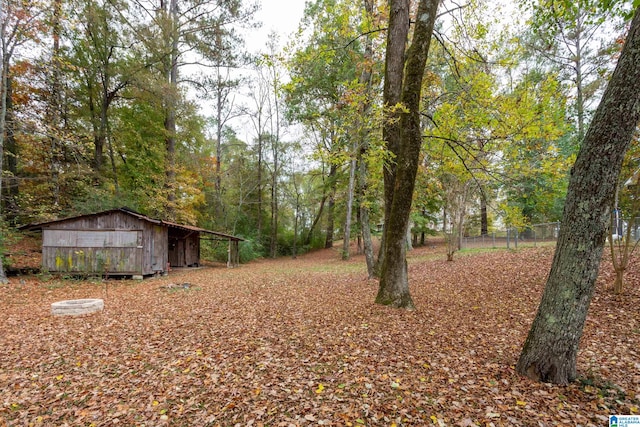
300	342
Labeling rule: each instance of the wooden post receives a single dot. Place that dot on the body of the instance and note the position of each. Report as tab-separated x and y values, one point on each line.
236	244
233	259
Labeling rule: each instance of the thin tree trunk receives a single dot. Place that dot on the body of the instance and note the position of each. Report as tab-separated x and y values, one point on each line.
273	247
365	226
550	350
171	99
394	283
219	127
112	159
294	248
579	80
55	103
328	243
346	243
3	115
484	220
12	191
260	136
307	240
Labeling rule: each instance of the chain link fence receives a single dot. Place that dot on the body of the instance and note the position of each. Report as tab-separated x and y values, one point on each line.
513	238
620	225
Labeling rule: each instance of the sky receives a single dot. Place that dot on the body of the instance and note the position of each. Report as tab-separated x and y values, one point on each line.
281	16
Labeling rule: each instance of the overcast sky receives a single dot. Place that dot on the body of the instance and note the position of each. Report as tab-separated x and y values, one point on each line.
281	16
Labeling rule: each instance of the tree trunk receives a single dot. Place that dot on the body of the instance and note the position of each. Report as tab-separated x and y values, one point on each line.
618	285
484	220
55	103
273	247
307	240
550	350
4	78
260	137
171	99
328	243
408	236
366	78
365	226
219	128
294	248
394	284
11	209
579	80
397	34
346	243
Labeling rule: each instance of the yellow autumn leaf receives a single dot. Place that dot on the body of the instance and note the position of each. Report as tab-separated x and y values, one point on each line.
434	419
59	377
320	388
521	403
155	403
633	409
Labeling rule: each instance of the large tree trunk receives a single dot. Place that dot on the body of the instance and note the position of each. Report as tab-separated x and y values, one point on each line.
394	284
549	353
397	34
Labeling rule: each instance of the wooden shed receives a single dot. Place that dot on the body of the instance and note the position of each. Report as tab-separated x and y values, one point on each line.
123	242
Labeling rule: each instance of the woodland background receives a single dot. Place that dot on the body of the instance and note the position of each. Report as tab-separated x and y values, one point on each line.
158	106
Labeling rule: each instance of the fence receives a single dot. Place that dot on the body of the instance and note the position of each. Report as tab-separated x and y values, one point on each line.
512	238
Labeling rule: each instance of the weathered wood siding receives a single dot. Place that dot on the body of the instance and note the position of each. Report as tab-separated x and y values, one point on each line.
113	243
157	250
184	248
192	253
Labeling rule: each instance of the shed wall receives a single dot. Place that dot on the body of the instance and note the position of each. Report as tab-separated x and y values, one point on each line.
113	243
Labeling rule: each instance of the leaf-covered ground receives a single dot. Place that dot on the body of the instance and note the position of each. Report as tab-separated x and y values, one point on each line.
300	342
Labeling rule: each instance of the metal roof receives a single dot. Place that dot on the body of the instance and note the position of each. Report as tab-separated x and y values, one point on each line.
39	226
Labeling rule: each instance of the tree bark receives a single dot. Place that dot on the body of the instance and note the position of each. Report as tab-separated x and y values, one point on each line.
4	78
397	34
307	240
550	350
346	243
328	243
484	219
10	210
394	284
171	99
366	78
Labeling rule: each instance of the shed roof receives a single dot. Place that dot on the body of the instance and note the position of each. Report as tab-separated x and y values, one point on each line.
128	211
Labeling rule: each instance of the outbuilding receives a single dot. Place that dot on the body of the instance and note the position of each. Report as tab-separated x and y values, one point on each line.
123	242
